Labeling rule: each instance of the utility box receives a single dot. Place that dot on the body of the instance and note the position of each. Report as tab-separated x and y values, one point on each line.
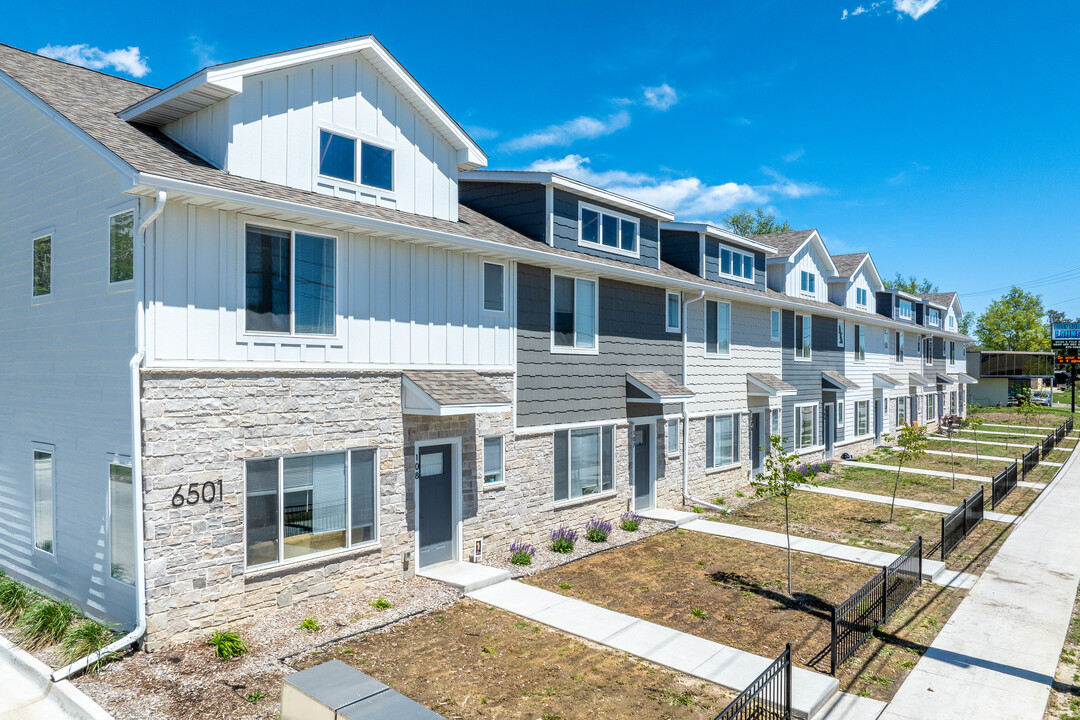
335	691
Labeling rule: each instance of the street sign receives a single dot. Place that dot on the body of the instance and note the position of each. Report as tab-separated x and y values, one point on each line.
1065	342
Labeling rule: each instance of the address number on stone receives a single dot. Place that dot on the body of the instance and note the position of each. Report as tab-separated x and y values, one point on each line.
195	493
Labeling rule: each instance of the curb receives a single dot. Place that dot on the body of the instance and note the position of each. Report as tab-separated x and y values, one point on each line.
74	702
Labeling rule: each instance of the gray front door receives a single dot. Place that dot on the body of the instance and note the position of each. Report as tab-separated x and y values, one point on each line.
830	430
435	523
643	490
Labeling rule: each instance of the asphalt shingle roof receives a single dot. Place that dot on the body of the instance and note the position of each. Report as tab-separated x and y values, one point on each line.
846	264
773	381
785	243
457	387
944	299
661	384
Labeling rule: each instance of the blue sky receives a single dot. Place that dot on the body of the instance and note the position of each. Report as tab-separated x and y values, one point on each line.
940	135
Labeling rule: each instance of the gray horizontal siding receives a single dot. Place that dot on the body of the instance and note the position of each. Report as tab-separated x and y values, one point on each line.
520	206
566	230
681	249
804	375
555	388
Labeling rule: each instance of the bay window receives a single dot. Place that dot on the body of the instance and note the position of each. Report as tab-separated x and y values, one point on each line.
584	462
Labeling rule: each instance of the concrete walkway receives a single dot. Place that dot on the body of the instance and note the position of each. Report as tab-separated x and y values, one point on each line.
27	692
996	656
705	659
997	458
1047	428
993	442
675	517
464	576
933	570
903	502
938	473
1023	435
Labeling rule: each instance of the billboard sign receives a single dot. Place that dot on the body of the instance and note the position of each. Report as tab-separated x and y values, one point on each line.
1065	342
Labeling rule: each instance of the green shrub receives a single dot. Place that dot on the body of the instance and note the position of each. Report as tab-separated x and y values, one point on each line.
227	644
15	597
85	638
310	624
381	604
255	696
699	613
630	521
45	622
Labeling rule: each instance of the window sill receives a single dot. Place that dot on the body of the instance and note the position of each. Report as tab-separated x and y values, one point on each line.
722	468
584	499
803	359
493	486
312	560
718	356
558	350
248	336
621	252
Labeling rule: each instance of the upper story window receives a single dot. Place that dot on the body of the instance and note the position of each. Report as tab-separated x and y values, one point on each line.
717	328
933	317
291	282
673	310
905	309
952	352
899	347
736	264
840	333
952	322
122	247
607	230
774	326
42	266
885	335
494	287
860	297
573	314
860	343
928	349
337	159
803	336
807	282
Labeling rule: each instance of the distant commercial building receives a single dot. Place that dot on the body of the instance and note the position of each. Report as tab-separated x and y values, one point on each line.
1001	374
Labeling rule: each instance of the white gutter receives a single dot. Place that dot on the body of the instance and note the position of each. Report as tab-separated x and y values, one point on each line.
685	412
136	460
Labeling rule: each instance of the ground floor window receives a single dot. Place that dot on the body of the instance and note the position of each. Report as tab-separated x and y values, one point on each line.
862	417
929	408
901	412
493	460
839	413
673	437
43	500
805	426
584	462
953	407
307	504
121	524
721	440
914	409
775	429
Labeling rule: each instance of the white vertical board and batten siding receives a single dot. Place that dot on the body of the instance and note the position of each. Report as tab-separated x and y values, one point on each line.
398	303
807	260
270	131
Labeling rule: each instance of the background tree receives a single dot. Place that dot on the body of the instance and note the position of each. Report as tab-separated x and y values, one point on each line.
910	285
1015	321
778	479
964	322
758	222
911	441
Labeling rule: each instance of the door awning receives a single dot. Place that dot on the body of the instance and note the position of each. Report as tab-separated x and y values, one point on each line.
767	385
654	386
832	380
450	392
886	382
965	379
917	380
945	379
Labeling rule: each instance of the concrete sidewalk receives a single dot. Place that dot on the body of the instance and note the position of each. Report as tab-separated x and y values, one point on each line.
28	693
933	570
996	656
997	458
1018	446
903	502
937	473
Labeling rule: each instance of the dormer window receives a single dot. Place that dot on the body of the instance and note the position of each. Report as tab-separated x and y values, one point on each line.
807	284
952	322
337	159
737	265
933	317
607	230
905	310
860	297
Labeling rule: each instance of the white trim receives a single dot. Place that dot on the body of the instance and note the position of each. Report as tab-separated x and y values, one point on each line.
549	213
455	489
574	349
743	254
119	461
797	430
707	228
415	401
484	484
616	249
50	450
358	138
128	284
548	429
796	347
819	244
717	353
763	390
505	287
779	314
677	328
43	297
570	500
667	435
650	425
652	396
575	187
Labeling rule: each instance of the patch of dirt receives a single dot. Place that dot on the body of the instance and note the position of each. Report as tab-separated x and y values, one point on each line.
475	661
1064	702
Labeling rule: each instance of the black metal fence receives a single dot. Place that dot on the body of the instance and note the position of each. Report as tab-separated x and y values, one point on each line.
1060	433
1069	425
768	697
1003	483
1048	445
960	522
857	617
1030	460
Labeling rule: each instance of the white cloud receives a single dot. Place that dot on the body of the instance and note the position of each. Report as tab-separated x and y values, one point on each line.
690	197
793	155
582	128
477	132
914	9
128	61
205	53
662	97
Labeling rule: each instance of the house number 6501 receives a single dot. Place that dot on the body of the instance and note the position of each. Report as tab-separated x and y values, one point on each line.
207	493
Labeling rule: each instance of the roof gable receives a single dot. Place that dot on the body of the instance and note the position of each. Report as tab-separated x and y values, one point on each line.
790	244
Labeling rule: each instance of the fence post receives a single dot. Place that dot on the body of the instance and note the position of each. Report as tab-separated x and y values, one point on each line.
919	581
787	683
942	539
832	645
884	593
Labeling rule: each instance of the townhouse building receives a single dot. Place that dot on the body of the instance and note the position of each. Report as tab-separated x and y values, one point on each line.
273	333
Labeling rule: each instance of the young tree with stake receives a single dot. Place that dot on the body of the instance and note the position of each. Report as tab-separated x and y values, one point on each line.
949	425
912	443
974	421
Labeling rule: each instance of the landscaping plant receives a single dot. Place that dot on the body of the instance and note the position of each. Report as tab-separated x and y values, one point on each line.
563	539
227	644
380	603
521	553
310	624
84	639
45	622
779	478
911	441
597	530
974	421
15	597
630	521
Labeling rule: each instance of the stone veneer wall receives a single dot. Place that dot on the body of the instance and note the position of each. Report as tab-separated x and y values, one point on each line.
708	484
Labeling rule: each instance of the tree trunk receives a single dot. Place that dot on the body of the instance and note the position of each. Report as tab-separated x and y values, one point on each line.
787	527
896	486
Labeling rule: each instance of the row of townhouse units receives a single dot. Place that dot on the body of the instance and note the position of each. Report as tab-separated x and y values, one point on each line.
273	333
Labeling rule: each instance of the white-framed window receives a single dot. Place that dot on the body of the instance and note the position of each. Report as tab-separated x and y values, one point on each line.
953	407
774	325
290	282
42	266
930	407
774	428
607	230
672	434
860	343
736	264
584	462
839	413
807	282
862	417
338	160
721	440
805	426
44	498
905	309
302	505
673	311
860	297
952	322
885	338
804	334
899	346
493	460
840	327
952	351
494	287
928	348
122	246
717	328
574	312
121	523
901	411
933	317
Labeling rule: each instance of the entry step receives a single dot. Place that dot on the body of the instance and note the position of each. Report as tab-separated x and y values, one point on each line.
463	576
675	517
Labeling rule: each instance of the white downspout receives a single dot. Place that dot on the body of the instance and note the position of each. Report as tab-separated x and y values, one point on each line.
136	457
685	412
